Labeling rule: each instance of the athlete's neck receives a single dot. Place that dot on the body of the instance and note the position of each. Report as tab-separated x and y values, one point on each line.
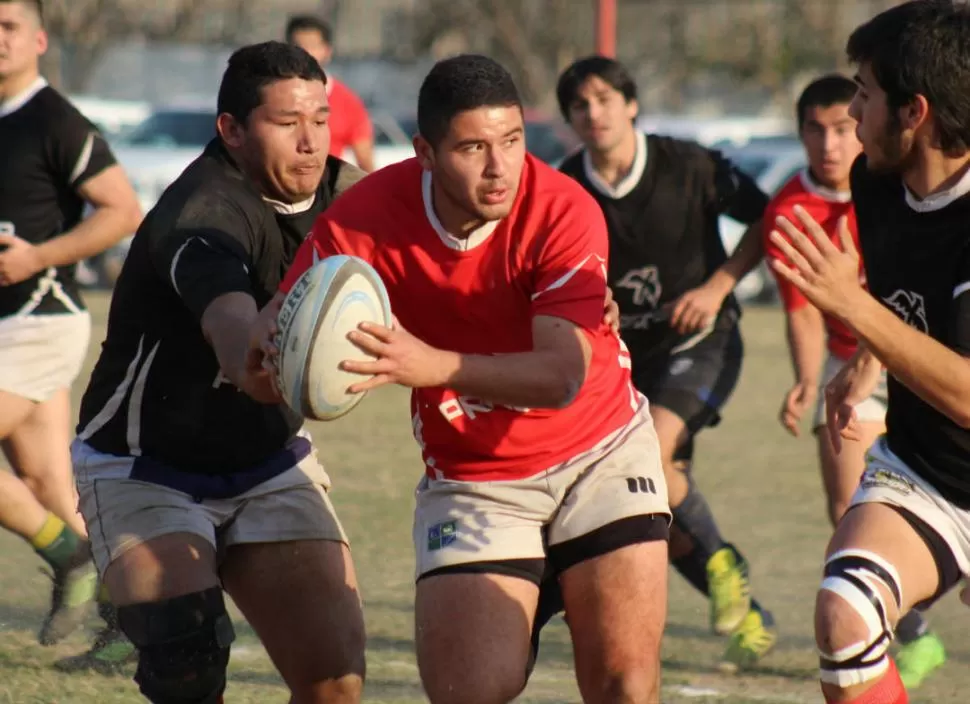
614	164
838	186
12	86
455	220
935	172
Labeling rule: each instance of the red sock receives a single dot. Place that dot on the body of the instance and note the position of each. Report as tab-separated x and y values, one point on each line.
888	689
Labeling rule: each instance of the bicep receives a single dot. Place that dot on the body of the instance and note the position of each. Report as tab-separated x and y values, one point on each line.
109	188
568	343
79	152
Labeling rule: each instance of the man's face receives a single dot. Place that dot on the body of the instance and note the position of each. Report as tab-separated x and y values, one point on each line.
888	144
313	43
478	163
284	143
22	39
601	115
831	145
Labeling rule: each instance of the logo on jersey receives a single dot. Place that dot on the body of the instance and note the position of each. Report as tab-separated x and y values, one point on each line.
885	478
441	535
909	306
645	284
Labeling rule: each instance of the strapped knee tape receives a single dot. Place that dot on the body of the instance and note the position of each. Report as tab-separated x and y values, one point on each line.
856	575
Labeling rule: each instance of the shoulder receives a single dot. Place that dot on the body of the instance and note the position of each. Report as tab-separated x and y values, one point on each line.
788	195
59	114
554	192
388	193
341	175
681	151
211	192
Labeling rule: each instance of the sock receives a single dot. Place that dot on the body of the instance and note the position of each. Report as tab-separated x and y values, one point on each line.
56	542
693	568
694	518
888	689
911	627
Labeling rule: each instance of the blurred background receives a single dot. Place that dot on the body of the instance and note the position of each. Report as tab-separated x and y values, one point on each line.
723	72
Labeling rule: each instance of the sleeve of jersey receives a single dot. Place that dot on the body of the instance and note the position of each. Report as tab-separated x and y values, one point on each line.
78	151
792	298
735	193
570	279
206	256
960	311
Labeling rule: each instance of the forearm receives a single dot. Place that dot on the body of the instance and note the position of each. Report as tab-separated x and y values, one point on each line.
527	379
935	373
806	343
226	324
104	228
747	254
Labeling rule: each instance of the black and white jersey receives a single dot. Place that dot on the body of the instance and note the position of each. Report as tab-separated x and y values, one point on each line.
917	260
664	234
157	393
47	151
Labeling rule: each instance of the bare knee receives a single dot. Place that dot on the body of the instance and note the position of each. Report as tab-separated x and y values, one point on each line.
638	685
474	687
837	624
347	689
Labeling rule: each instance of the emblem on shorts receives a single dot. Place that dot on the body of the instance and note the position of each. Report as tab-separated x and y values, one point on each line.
442	535
880	477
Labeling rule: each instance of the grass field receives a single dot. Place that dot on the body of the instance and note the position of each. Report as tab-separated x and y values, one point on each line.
762	484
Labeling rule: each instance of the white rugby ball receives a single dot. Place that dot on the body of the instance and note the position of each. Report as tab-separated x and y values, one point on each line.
332	298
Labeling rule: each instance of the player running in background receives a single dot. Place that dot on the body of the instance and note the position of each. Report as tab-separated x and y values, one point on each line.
350	126
539	452
828	132
904	540
662	199
190	486
53	163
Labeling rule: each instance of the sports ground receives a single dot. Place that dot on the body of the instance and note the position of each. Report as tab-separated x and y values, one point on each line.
762	484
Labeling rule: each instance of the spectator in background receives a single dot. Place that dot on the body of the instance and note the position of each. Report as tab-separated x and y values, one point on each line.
350	126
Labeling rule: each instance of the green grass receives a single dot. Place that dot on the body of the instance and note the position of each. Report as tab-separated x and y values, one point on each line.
762	484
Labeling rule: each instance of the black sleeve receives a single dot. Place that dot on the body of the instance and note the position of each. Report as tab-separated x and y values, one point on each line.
734	193
209	251
959	322
77	149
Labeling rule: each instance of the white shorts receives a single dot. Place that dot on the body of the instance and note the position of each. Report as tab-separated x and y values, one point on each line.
871	410
41	354
614	484
122	513
888	480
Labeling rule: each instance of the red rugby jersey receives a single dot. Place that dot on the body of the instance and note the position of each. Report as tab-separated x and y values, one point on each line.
349	121
548	257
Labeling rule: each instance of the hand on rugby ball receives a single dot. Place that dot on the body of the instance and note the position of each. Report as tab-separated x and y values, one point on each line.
401	359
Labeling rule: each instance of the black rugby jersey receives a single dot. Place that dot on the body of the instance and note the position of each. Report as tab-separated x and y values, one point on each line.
917	261
664	234
47	151
157	393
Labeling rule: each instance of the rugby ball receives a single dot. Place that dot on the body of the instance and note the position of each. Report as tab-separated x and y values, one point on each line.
332	298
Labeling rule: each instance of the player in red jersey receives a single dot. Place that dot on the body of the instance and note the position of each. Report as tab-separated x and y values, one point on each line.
350	125
539	452
828	133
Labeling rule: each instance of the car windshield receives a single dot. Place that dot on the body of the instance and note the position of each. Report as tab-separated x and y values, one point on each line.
174	129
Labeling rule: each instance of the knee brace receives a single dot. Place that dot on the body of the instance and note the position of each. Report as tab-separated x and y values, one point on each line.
183	647
855	575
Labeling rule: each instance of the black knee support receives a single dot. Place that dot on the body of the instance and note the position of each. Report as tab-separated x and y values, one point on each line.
183	647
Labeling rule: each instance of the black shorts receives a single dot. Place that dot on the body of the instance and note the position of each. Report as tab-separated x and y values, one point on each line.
696	380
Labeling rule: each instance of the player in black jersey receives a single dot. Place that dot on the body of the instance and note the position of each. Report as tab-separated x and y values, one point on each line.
673	281
188	483
905	540
52	162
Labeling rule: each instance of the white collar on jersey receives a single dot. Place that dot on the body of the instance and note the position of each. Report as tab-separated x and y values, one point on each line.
938	201
827	194
629	181
291	208
475	238
15	102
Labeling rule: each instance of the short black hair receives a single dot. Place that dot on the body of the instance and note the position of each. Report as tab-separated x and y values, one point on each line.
921	48
36	5
461	83
824	92
609	70
253	67
304	23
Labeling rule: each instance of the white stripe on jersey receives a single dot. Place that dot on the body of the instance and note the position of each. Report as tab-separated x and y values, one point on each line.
961	289
84	159
114	403
134	404
564	279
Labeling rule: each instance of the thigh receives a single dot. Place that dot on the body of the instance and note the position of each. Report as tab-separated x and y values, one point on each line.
39	448
472	634
476	527
14	410
617	605
616	498
301	598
